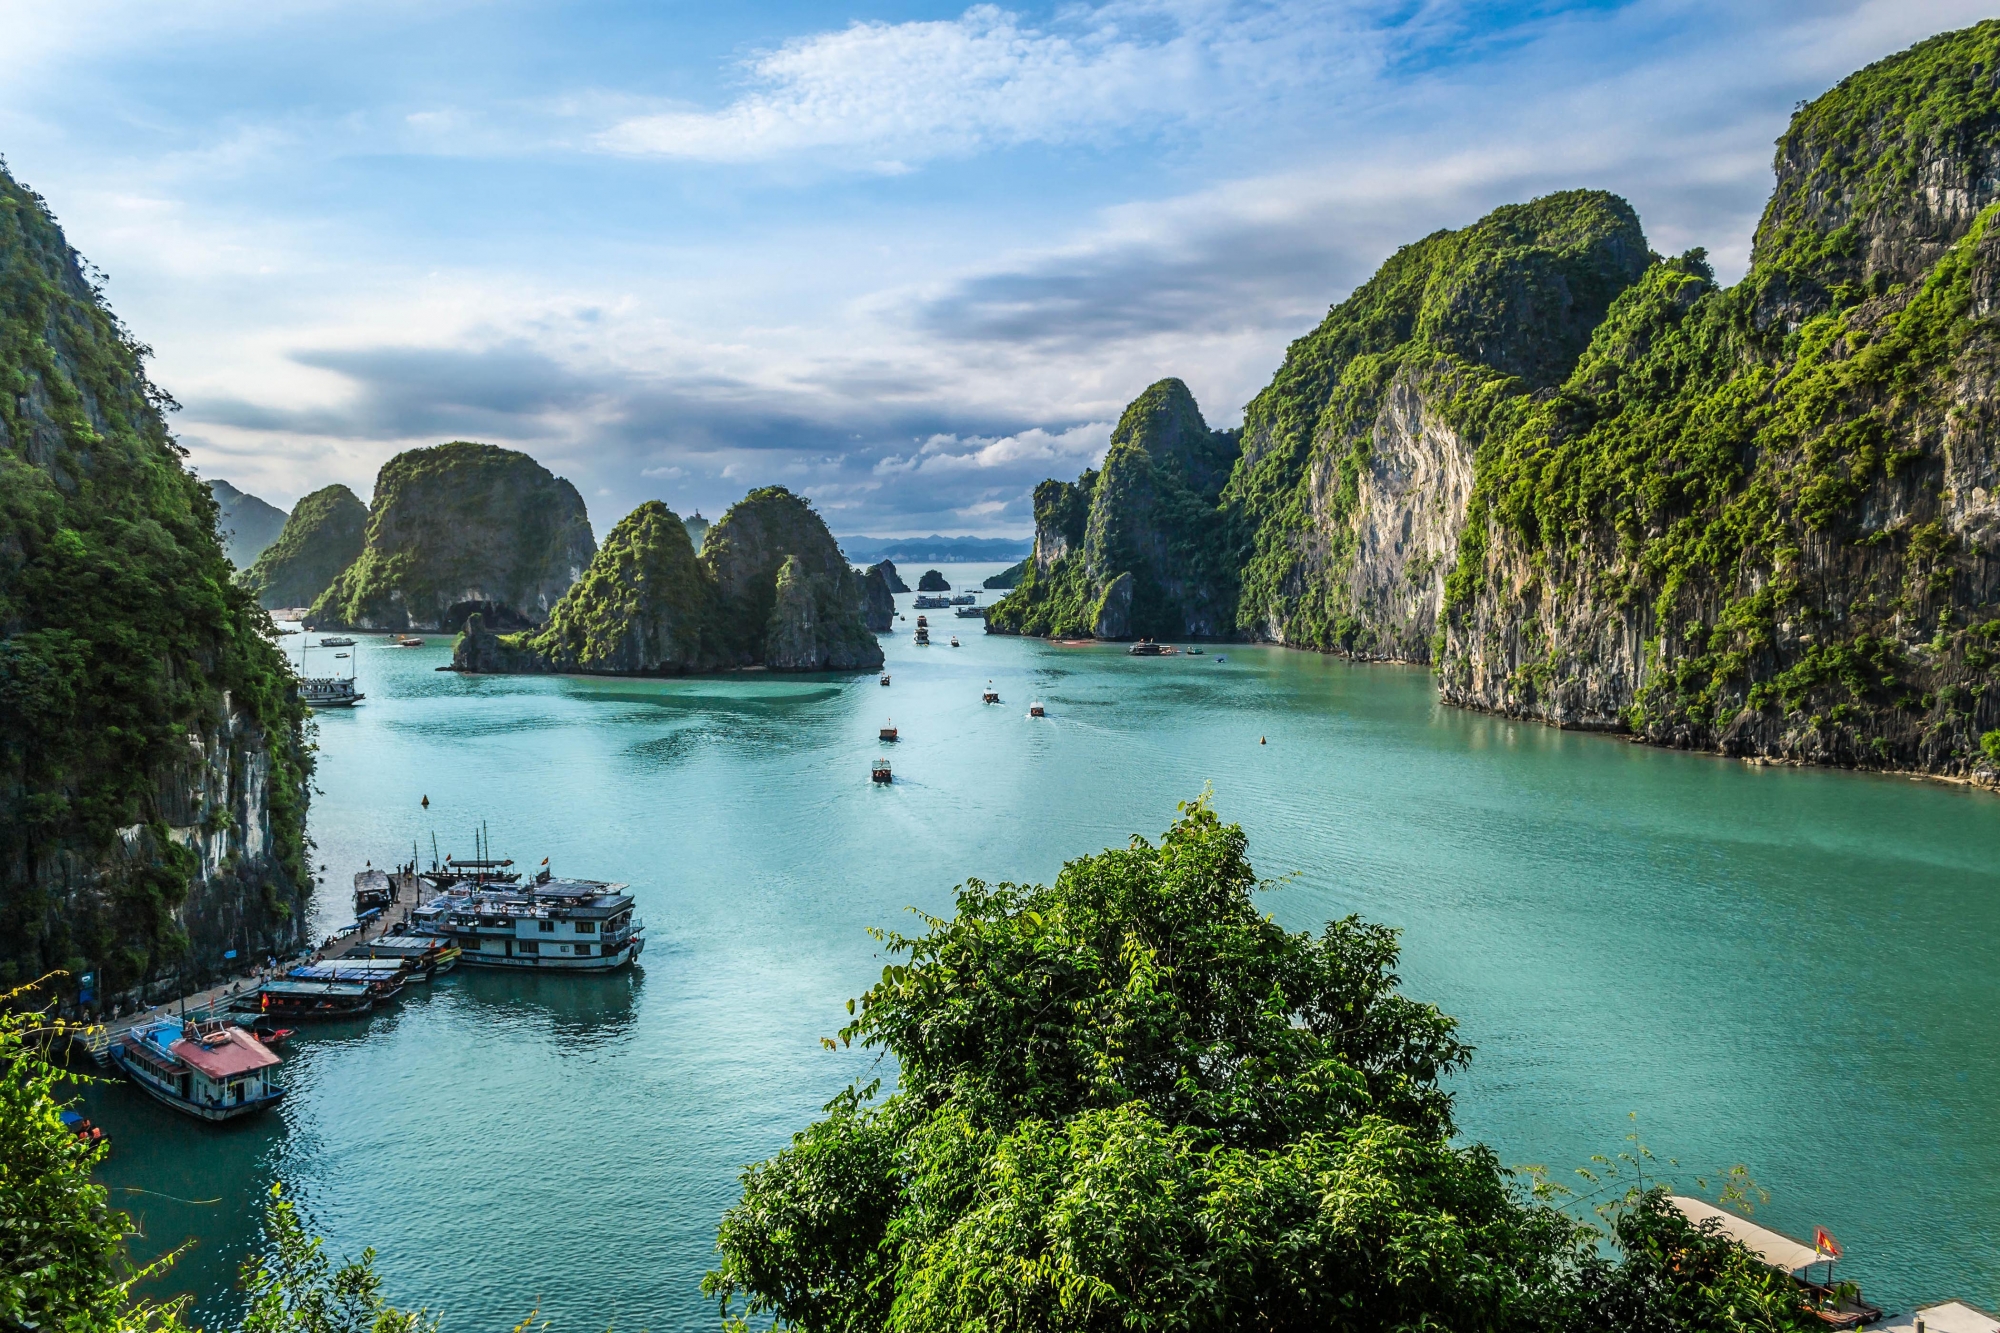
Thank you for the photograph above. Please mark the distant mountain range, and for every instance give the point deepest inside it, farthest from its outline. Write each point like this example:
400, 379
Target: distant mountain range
247, 524
936, 549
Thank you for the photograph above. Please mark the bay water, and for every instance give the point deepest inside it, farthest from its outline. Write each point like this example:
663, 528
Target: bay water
1791, 969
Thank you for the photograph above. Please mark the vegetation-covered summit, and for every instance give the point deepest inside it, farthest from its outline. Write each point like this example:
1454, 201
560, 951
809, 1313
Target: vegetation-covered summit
770, 588
149, 738
461, 528
323, 536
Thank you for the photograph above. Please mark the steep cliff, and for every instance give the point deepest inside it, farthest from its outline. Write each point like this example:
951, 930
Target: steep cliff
890, 576
153, 770
323, 536
459, 528
1766, 519
1138, 548
1010, 576
878, 599
245, 523
770, 588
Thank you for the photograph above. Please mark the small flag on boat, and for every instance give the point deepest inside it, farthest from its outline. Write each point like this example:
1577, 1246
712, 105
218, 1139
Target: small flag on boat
1824, 1242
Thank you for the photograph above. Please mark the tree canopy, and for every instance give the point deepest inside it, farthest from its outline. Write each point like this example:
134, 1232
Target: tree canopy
1130, 1100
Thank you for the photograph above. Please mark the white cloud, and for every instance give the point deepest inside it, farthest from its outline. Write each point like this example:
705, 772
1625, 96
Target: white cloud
989, 79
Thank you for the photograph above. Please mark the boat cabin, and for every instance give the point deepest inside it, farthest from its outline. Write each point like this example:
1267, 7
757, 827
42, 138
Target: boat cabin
550, 923
211, 1070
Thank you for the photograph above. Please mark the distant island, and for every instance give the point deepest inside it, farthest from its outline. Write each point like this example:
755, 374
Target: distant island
936, 550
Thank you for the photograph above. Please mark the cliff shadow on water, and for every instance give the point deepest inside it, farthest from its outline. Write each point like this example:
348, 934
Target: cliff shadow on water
1590, 486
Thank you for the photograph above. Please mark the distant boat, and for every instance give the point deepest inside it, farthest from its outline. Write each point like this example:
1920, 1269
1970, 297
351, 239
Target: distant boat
887, 733
965, 599
210, 1070
924, 603
1148, 648
954, 641
992, 696
1220, 658
329, 692
885, 678
970, 613
1035, 709
337, 641
880, 773
410, 642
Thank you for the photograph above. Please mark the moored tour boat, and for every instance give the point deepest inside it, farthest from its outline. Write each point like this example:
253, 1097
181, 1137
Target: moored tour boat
549, 924
304, 998
209, 1070
430, 953
337, 641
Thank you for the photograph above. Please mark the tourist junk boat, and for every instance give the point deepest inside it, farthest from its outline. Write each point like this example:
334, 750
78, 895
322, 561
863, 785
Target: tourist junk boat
965, 599
1035, 709
888, 732
374, 891
881, 773
384, 978
550, 924
1835, 1305
923, 631
991, 696
293, 998
928, 603
970, 612
211, 1070
329, 692
1148, 648
337, 641
885, 678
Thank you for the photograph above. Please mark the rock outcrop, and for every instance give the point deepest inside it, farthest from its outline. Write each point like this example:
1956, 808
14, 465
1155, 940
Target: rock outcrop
245, 523
323, 536
1591, 486
1138, 548
460, 528
878, 598
890, 576
769, 589
153, 768
932, 581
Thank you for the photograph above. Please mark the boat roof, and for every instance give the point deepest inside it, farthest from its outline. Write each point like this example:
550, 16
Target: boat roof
225, 1053
315, 986
372, 878
1945, 1317
1773, 1247
409, 942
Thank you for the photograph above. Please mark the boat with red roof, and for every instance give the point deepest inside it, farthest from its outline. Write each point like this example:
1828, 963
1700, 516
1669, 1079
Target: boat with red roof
211, 1070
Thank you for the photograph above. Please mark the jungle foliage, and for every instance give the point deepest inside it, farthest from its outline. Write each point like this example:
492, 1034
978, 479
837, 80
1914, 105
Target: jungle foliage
322, 537
122, 635
1130, 1100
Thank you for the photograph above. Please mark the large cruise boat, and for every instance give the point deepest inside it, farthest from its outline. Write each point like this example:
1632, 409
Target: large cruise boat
558, 925
209, 1070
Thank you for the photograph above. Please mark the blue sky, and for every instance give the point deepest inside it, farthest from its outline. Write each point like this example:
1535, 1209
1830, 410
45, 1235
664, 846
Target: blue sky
905, 258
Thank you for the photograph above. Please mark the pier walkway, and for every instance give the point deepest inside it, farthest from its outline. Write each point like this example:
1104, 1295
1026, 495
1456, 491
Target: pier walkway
410, 893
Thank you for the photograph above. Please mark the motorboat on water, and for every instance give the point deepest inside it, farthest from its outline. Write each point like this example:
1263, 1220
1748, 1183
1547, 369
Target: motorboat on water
1148, 648
329, 692
300, 998
1035, 709
954, 641
211, 1070
965, 599
888, 731
885, 678
881, 773
336, 641
991, 696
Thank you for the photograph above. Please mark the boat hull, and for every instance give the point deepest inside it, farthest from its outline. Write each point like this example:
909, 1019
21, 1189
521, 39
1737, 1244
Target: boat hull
212, 1114
554, 962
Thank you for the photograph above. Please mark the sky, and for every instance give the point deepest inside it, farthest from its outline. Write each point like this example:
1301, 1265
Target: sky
905, 258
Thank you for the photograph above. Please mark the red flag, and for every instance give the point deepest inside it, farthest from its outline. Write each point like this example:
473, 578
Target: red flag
1824, 1242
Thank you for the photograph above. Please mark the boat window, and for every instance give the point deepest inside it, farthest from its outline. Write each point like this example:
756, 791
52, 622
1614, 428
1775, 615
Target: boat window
548, 926
586, 927
583, 950
531, 946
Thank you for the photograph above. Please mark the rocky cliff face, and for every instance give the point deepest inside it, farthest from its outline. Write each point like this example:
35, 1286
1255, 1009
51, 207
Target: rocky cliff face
878, 598
460, 528
1594, 488
890, 576
769, 589
1762, 520
153, 771
324, 535
1138, 548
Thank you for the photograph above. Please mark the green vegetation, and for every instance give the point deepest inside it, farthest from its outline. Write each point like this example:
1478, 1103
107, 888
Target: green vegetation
322, 537
1010, 576
121, 636
457, 528
1477, 319
1140, 548
769, 588
1762, 488
1130, 1100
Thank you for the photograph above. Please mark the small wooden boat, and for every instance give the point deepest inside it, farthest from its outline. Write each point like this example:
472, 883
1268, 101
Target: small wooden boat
411, 641
1035, 709
992, 696
885, 678
880, 773
210, 1070
888, 733
954, 641
265, 1029
82, 1128
302, 999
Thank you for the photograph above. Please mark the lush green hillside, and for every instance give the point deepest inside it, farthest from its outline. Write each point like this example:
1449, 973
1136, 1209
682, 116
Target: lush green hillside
323, 536
461, 528
246, 523
770, 588
152, 766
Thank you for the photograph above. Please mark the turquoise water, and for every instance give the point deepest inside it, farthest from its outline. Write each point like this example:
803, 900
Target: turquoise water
1789, 969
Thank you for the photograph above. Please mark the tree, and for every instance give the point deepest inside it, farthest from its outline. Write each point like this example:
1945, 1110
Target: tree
1132, 1101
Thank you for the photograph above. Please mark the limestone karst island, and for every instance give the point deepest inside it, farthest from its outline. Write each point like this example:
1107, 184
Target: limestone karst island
1057, 669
